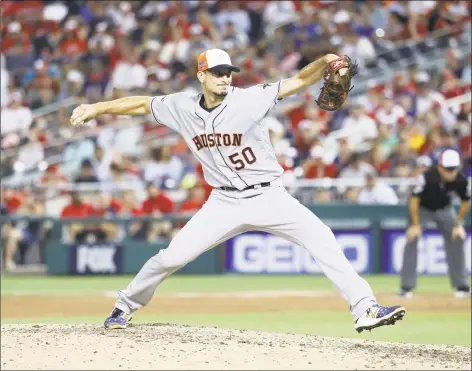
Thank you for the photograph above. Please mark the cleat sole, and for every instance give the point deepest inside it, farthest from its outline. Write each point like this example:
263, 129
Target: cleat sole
115, 327
390, 321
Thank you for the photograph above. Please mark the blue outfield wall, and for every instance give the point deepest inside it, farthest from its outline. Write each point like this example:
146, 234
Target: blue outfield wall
371, 237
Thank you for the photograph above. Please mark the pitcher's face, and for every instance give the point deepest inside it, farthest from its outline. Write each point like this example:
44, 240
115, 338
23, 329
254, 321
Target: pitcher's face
217, 82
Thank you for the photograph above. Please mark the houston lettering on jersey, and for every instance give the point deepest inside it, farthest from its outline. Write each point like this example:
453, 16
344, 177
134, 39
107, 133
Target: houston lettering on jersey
212, 140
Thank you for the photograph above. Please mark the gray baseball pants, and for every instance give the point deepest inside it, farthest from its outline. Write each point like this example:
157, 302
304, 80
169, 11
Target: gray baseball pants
455, 255
227, 214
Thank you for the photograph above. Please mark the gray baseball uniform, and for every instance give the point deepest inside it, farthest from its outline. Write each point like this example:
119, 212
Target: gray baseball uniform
235, 151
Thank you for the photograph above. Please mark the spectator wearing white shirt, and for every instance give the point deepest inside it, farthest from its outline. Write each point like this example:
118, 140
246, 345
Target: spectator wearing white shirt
176, 49
358, 168
376, 192
30, 154
232, 38
123, 17
162, 166
359, 48
423, 163
102, 37
278, 13
426, 97
234, 14
429, 100
390, 113
129, 73
16, 119
359, 127
101, 162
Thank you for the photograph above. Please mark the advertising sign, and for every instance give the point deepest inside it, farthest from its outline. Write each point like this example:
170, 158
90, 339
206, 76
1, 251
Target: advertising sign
259, 252
103, 258
431, 252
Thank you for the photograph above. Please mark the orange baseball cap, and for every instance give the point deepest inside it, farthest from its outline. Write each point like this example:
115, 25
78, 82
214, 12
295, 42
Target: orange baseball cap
214, 60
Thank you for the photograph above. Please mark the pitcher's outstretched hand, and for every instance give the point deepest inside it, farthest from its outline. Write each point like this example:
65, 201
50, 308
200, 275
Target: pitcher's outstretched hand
82, 114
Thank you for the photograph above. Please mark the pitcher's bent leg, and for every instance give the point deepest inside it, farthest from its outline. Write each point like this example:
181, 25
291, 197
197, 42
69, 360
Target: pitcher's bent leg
323, 247
194, 239
293, 221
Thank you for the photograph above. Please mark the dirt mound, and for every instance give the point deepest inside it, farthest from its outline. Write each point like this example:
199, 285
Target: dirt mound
166, 346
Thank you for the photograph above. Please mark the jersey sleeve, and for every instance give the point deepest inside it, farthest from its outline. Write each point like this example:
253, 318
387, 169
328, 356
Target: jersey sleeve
418, 185
164, 110
261, 98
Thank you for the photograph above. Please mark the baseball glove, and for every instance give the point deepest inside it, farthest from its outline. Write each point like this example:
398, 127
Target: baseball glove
336, 87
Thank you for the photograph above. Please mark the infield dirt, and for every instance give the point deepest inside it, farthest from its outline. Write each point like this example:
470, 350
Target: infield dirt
165, 346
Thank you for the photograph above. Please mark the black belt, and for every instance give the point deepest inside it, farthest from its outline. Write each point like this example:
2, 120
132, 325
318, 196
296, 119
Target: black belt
266, 184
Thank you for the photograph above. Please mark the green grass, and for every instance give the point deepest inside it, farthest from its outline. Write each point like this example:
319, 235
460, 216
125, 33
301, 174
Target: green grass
418, 327
190, 283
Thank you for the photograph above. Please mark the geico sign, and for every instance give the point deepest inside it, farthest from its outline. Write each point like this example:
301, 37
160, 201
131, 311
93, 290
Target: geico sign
431, 254
98, 259
265, 253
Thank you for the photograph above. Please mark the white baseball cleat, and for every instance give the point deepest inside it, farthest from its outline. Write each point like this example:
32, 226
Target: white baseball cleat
377, 316
405, 294
463, 294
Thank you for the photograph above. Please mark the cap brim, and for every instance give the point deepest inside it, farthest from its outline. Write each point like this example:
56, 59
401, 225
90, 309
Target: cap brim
224, 67
450, 168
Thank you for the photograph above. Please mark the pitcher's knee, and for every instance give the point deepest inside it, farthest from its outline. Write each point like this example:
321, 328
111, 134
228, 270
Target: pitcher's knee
320, 236
170, 261
326, 235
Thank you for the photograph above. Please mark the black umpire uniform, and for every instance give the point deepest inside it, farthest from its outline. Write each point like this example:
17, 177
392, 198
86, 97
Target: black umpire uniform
434, 192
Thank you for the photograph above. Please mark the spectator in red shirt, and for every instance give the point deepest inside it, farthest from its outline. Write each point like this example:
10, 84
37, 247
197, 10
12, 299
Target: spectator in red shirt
157, 203
16, 42
77, 208
129, 209
129, 206
53, 178
75, 41
315, 167
13, 200
107, 207
194, 202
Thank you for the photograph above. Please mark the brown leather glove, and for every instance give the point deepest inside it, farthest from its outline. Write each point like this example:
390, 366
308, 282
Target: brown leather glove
337, 83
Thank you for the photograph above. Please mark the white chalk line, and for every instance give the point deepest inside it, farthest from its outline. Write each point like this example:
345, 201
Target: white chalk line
240, 294
181, 295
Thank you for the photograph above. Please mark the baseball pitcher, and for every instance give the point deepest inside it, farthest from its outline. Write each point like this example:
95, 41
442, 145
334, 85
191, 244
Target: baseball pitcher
223, 128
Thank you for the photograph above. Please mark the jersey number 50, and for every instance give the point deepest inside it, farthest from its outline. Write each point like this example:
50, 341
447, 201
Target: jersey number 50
246, 154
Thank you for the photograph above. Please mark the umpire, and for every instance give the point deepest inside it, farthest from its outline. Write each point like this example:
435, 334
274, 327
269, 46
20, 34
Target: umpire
431, 201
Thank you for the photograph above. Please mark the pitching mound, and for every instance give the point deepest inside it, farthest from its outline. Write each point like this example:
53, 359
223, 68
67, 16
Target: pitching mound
165, 346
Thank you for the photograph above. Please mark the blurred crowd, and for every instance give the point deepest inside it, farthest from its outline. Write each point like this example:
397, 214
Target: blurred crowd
90, 51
